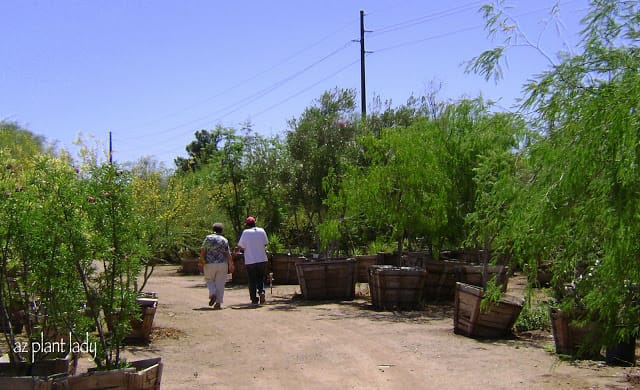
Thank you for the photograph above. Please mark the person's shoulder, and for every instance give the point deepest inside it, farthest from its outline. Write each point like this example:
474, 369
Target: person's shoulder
208, 240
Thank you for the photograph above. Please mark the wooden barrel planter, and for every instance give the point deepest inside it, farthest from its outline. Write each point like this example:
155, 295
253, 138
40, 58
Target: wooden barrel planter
38, 375
239, 275
496, 322
424, 255
442, 276
327, 279
472, 274
190, 266
363, 262
26, 383
386, 258
142, 375
416, 259
570, 339
283, 266
466, 255
141, 327
396, 287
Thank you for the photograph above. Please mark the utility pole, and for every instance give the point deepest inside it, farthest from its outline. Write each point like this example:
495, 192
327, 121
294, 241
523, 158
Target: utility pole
110, 149
363, 88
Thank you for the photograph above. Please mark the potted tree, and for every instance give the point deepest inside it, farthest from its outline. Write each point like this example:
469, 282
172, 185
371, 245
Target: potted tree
109, 277
39, 297
575, 333
583, 193
68, 250
484, 311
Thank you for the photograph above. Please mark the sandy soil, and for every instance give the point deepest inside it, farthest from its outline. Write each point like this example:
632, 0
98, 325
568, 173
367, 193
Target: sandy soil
290, 343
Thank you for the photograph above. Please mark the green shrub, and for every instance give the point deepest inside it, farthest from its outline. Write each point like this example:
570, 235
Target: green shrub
532, 318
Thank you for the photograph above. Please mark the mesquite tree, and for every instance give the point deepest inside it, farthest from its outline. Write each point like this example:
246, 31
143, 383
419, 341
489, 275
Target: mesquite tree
582, 201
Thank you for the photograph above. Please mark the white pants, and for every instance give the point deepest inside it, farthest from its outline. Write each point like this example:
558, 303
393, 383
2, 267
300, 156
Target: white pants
215, 274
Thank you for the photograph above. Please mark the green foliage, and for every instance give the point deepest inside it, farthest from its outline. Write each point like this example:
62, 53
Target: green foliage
267, 174
419, 181
68, 240
404, 190
474, 136
42, 238
196, 197
498, 185
579, 205
492, 295
275, 244
498, 21
380, 247
533, 317
242, 175
329, 232
223, 174
110, 281
19, 143
73, 243
590, 104
205, 147
320, 142
384, 115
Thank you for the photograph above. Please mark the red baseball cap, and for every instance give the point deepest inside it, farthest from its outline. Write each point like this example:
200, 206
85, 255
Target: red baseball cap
250, 220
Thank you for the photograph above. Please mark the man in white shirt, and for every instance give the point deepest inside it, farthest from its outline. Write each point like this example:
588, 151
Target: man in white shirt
253, 242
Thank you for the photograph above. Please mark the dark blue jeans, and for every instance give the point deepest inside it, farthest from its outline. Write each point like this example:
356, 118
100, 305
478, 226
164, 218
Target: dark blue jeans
256, 273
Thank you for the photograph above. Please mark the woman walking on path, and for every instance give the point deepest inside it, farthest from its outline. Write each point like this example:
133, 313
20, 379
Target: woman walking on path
215, 255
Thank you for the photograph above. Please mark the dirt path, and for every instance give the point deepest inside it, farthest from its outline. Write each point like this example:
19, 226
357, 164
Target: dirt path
290, 343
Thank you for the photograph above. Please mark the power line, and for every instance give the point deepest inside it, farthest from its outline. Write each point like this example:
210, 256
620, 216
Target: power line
425, 18
413, 42
280, 83
251, 78
236, 106
239, 104
307, 88
446, 34
298, 93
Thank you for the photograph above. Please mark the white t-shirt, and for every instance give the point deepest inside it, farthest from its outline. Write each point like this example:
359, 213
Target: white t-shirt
253, 241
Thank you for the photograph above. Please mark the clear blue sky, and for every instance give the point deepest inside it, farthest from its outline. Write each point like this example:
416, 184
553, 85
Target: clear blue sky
154, 72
